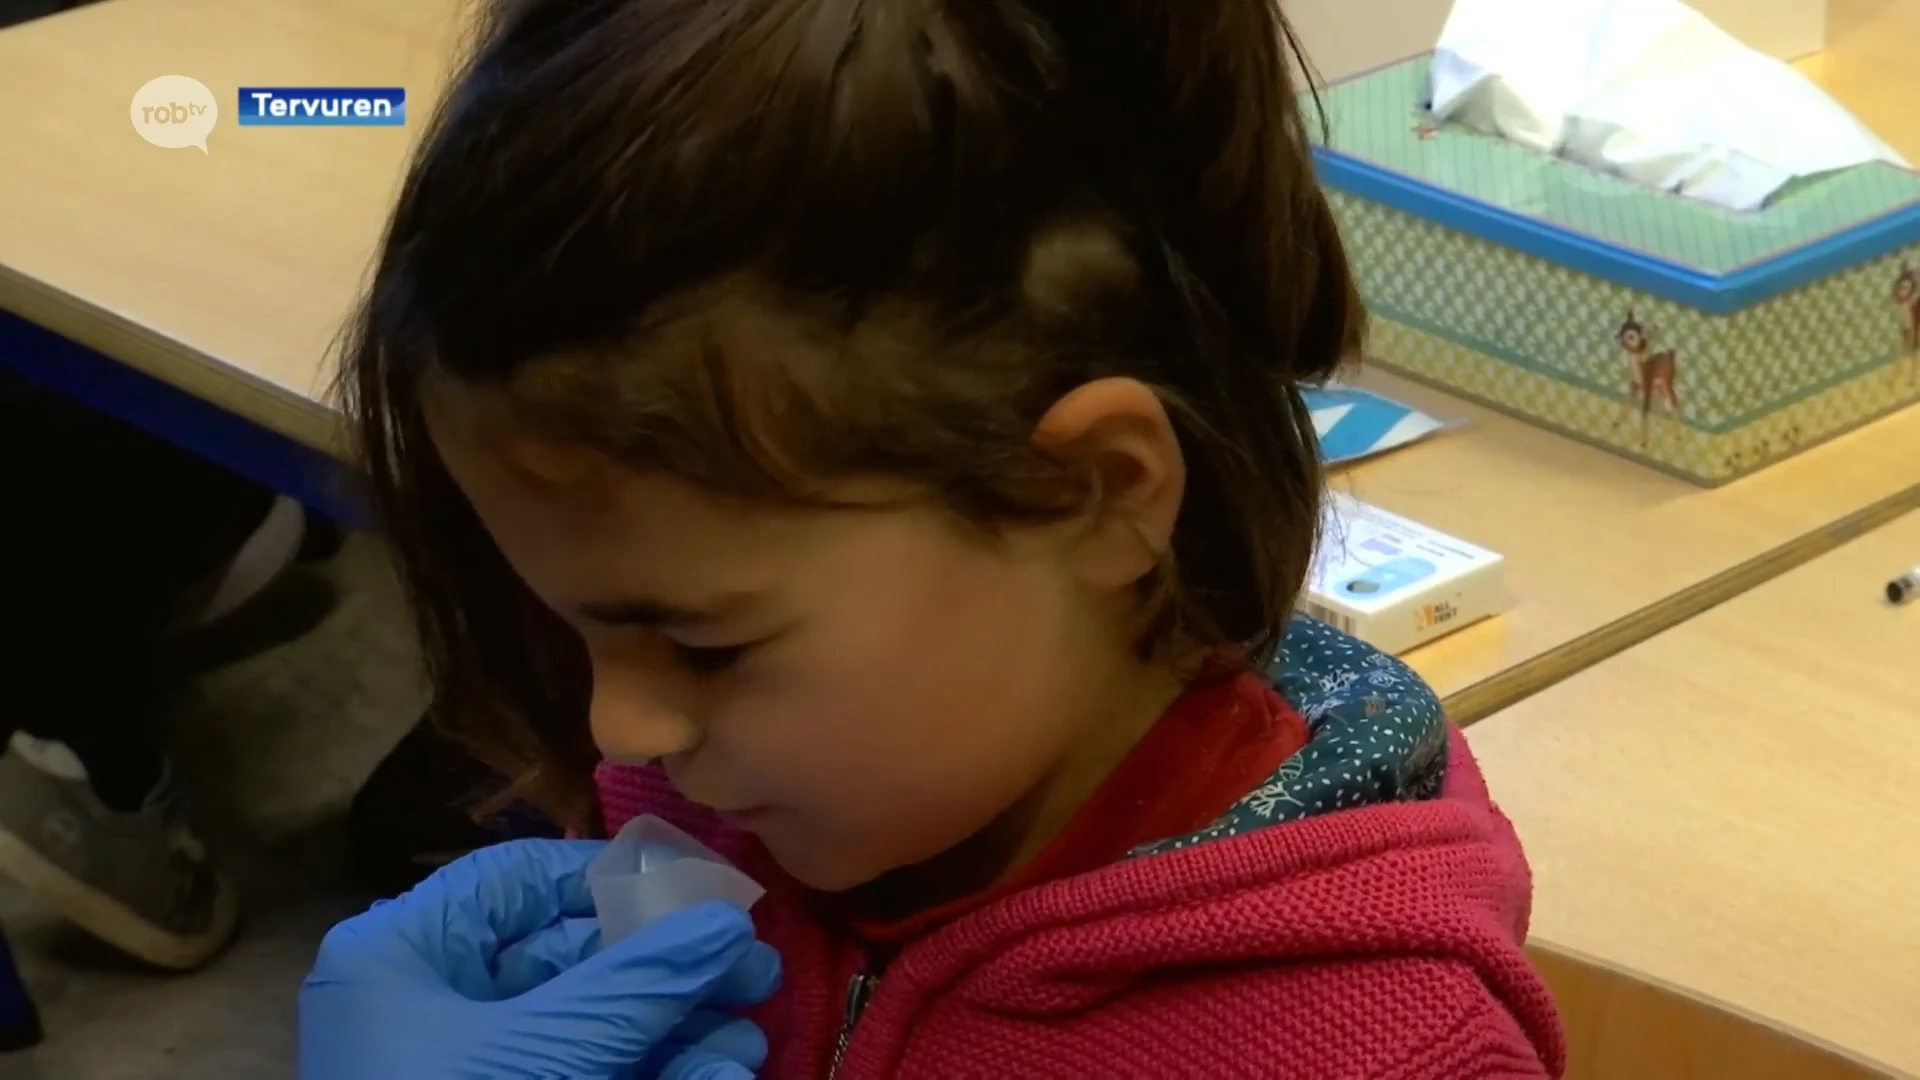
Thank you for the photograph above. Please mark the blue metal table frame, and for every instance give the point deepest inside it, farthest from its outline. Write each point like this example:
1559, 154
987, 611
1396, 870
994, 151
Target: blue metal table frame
322, 482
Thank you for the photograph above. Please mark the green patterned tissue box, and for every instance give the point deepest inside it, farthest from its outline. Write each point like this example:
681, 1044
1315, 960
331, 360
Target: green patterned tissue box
1703, 341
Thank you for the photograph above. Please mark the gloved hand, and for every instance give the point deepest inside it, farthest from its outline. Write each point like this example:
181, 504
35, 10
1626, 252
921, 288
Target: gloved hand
491, 968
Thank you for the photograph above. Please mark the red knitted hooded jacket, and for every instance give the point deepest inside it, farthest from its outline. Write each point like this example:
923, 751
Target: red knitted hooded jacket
1359, 916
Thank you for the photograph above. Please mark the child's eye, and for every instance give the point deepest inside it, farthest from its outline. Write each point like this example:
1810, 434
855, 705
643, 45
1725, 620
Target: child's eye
709, 661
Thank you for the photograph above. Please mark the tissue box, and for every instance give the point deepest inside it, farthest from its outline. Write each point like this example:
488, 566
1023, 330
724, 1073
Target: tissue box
1702, 341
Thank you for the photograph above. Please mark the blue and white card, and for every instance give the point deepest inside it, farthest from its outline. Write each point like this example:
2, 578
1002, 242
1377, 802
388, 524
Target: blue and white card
1356, 424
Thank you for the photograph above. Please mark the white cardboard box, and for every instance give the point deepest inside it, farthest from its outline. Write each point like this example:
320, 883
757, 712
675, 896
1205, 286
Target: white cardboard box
1347, 37
1394, 583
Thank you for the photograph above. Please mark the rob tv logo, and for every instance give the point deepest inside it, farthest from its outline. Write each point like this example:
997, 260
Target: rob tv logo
174, 111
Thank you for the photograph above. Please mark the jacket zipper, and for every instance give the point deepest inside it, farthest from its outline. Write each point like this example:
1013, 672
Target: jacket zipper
860, 990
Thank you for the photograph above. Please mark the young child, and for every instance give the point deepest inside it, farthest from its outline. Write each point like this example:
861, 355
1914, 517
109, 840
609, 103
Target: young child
867, 434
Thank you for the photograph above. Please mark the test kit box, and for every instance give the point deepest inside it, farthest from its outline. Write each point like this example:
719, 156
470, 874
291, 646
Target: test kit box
1394, 583
1703, 341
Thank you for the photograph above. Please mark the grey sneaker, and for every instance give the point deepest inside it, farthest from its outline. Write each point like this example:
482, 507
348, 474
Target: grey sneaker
140, 881
272, 547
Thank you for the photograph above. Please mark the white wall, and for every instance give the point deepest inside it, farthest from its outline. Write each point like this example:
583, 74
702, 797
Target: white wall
1343, 37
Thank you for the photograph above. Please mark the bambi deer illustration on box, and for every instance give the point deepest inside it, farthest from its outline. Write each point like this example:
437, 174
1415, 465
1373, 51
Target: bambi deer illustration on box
1653, 375
1906, 297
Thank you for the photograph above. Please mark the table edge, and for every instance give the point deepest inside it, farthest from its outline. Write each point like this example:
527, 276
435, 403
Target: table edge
284, 411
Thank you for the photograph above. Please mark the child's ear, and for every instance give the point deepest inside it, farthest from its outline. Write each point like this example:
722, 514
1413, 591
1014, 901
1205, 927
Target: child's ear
1118, 433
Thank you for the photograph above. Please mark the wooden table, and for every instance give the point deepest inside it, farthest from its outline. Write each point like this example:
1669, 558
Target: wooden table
225, 275
1733, 807
224, 278
1868, 66
1603, 553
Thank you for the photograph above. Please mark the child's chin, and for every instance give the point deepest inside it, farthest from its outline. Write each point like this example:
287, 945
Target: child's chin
819, 868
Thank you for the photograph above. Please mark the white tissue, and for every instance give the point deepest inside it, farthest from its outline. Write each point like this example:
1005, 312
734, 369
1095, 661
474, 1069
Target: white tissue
1646, 89
651, 869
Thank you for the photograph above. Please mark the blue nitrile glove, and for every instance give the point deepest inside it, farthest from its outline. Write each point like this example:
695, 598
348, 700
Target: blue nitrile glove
491, 969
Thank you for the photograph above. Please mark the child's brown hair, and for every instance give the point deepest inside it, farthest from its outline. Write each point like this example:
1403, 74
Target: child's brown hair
767, 244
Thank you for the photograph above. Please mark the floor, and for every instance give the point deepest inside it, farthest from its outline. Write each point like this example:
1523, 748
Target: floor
271, 748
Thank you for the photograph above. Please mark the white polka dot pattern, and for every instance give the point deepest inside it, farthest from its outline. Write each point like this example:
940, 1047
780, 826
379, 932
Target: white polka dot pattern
1376, 734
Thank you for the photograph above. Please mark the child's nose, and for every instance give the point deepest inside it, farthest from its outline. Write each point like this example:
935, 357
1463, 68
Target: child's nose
636, 715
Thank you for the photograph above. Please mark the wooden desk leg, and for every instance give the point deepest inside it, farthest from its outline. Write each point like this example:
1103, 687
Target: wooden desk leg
19, 1020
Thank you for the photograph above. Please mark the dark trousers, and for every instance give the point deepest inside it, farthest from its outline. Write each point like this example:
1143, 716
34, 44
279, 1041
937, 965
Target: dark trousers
102, 529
